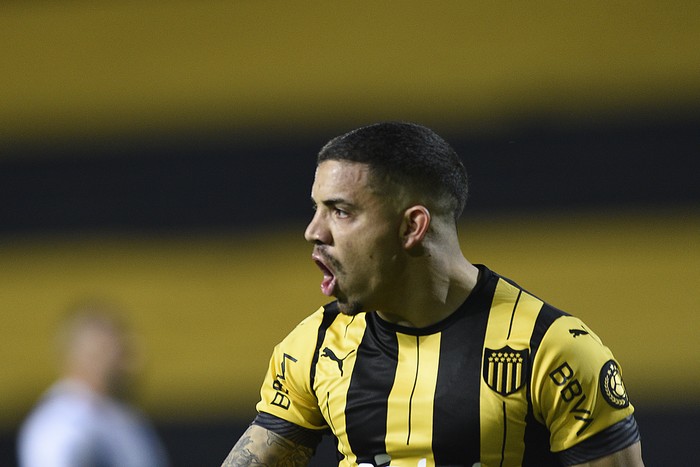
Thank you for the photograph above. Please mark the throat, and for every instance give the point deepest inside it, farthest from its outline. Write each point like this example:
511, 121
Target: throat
419, 322
396, 319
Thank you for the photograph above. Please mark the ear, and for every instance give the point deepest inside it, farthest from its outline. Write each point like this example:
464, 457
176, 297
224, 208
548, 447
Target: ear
416, 221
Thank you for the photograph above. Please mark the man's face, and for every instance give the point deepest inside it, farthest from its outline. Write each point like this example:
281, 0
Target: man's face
103, 353
356, 238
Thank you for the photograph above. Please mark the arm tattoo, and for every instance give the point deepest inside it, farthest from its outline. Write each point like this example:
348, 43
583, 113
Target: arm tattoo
267, 449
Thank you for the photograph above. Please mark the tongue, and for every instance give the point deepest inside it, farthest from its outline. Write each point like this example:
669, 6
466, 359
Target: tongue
328, 284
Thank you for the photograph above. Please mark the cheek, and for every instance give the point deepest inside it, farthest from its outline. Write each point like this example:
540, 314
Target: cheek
381, 259
369, 250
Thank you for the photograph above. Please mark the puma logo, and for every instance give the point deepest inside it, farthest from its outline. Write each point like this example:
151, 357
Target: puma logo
578, 332
331, 355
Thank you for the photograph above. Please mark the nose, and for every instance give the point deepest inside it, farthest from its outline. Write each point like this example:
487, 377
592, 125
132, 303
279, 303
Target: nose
316, 232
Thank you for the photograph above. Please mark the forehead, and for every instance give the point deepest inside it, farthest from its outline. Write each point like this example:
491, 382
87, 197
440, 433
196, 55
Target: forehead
340, 179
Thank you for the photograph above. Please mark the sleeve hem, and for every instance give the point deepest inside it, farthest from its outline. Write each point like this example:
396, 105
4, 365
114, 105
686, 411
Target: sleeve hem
614, 438
288, 430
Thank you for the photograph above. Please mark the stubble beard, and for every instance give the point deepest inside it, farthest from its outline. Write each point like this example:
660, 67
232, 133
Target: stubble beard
349, 308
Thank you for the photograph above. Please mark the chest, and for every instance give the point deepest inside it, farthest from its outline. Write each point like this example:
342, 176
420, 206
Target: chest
402, 396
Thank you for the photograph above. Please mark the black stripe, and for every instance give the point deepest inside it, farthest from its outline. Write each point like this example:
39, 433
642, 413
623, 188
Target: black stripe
536, 436
370, 385
330, 312
413, 390
456, 420
328, 412
505, 432
548, 314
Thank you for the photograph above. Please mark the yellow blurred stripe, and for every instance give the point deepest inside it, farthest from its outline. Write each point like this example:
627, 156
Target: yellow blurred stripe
203, 304
77, 69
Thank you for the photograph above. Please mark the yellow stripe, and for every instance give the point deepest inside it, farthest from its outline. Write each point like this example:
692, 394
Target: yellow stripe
410, 403
343, 339
513, 329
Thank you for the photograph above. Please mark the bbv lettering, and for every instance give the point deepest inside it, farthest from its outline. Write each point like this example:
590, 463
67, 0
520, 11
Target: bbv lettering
281, 399
572, 392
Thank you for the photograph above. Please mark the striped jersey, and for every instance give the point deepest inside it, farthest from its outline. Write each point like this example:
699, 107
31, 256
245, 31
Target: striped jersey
506, 380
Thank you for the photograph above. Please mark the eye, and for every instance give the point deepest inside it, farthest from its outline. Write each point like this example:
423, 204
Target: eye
339, 213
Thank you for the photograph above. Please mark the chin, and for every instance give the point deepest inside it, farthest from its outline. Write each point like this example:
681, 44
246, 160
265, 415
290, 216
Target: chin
350, 308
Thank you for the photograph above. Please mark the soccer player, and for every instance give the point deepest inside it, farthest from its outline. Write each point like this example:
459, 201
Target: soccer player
83, 419
423, 358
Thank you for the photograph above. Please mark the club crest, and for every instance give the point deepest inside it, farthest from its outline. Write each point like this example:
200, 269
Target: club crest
505, 369
612, 387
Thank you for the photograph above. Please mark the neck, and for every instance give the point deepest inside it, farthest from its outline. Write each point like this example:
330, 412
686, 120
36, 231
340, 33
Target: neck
90, 379
433, 292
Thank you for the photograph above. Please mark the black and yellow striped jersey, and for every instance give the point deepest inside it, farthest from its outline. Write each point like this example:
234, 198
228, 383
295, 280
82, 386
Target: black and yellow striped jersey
506, 380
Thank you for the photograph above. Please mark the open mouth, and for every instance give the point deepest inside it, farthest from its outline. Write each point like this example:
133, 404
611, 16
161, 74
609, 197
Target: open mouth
329, 281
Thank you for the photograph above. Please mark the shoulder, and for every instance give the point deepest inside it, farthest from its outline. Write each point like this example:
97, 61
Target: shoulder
287, 392
57, 426
63, 404
568, 350
307, 330
294, 357
577, 387
565, 336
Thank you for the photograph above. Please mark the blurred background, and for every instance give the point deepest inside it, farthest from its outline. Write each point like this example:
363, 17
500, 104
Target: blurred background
162, 153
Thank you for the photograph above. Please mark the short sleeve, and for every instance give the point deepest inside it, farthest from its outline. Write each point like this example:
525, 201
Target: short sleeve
286, 392
577, 387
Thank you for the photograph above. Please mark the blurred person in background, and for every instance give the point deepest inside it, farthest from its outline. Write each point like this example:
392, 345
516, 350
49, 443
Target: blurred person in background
84, 419
424, 358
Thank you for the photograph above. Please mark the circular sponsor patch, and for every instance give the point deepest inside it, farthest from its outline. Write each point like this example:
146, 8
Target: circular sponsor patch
612, 387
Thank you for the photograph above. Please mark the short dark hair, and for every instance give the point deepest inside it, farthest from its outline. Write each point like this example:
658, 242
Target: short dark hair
409, 155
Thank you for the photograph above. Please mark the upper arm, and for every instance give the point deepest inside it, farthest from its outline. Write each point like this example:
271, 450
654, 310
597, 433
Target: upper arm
577, 389
287, 391
631, 456
259, 446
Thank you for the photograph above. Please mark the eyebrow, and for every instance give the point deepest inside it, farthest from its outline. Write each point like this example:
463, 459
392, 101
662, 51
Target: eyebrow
333, 202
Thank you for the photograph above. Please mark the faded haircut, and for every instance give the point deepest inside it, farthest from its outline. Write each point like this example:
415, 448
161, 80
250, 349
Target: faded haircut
411, 157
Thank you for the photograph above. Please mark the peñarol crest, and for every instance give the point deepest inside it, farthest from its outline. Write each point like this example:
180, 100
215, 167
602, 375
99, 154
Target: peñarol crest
505, 369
